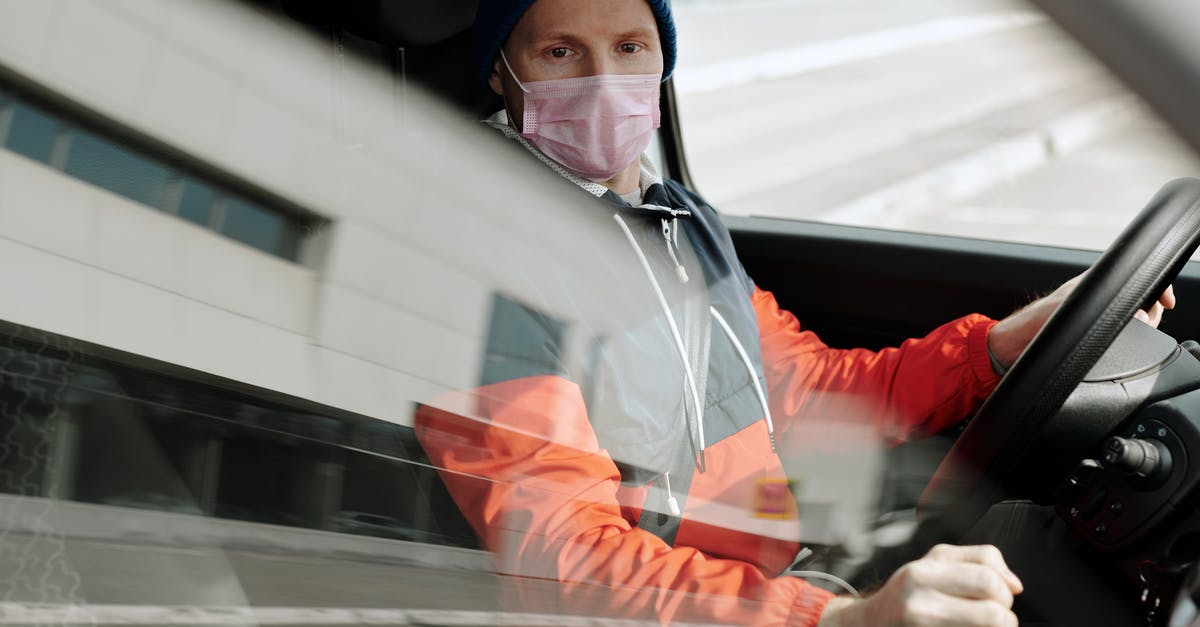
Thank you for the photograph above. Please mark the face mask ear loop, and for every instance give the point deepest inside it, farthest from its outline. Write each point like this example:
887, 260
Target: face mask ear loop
527, 120
511, 72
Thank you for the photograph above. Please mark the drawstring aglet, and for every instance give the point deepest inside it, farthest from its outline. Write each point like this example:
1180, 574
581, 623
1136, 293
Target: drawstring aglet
672, 243
672, 502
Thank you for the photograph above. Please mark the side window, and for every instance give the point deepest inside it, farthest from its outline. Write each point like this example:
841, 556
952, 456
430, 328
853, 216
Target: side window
976, 118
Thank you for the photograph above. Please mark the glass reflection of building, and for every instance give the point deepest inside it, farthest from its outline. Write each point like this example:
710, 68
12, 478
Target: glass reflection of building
94, 424
82, 423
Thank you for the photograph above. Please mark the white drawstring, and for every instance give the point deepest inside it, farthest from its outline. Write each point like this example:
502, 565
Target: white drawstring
741, 351
834, 579
672, 503
679, 347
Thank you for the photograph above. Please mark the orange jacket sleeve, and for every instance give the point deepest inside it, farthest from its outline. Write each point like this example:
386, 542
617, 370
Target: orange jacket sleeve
922, 386
522, 462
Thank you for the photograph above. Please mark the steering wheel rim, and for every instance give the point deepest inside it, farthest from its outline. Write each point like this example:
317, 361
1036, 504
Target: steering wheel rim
1131, 274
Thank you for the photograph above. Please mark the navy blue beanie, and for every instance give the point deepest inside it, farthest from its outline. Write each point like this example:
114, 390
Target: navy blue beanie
495, 19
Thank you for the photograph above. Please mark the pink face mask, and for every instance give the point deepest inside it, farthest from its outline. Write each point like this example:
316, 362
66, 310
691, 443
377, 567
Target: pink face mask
594, 126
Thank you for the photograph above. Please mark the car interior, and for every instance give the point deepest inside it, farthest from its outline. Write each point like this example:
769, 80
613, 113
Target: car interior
1086, 442
1072, 437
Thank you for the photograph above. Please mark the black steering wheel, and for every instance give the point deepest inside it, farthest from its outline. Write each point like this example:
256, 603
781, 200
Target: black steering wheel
1131, 274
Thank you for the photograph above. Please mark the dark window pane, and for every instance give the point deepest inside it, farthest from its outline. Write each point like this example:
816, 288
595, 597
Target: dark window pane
5, 104
196, 202
289, 487
87, 429
30, 419
31, 133
116, 169
522, 342
253, 225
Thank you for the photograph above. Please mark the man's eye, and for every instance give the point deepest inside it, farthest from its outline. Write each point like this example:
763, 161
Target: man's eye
559, 53
630, 48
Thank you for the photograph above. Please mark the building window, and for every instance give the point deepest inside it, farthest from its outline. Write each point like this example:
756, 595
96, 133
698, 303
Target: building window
30, 132
104, 164
38, 134
257, 226
195, 202
79, 427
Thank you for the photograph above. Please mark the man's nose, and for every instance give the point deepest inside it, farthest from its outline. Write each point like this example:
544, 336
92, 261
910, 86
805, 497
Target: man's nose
600, 63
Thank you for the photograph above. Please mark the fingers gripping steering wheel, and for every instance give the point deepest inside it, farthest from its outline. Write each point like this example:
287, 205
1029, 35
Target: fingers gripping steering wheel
1133, 272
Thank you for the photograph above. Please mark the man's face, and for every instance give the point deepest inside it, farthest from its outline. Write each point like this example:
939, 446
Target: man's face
574, 38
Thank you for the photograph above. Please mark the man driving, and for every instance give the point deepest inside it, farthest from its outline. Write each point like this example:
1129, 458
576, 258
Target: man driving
590, 481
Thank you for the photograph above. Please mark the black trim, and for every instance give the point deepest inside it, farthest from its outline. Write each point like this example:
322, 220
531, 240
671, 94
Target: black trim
863, 287
868, 287
671, 137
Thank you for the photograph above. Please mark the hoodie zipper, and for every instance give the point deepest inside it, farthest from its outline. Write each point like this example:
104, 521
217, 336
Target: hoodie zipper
696, 416
697, 413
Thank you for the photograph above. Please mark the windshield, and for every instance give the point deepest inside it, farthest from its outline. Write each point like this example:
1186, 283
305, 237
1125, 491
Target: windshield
980, 119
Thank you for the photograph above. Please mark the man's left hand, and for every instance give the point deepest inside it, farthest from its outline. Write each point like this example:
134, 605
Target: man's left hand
1008, 339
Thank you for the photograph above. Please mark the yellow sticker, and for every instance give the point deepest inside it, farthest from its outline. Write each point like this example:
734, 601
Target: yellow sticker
772, 496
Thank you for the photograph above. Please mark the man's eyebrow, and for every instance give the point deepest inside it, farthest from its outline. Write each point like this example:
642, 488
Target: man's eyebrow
552, 35
638, 33
561, 35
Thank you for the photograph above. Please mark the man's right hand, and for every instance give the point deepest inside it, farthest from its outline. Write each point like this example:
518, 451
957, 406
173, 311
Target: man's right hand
951, 585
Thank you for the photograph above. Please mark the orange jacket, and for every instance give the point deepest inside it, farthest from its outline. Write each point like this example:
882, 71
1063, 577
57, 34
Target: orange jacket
523, 462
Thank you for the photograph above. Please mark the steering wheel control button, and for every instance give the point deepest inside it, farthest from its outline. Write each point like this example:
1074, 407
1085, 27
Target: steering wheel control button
1084, 475
1139, 457
1095, 503
1101, 529
1192, 347
1116, 507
